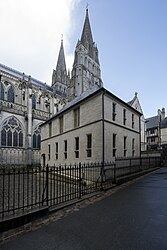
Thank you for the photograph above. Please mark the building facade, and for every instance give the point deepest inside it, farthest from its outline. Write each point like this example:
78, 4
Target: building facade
156, 131
95, 127
26, 103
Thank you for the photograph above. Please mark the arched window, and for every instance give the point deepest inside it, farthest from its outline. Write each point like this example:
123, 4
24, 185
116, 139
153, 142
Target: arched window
33, 102
11, 94
37, 138
1, 92
11, 133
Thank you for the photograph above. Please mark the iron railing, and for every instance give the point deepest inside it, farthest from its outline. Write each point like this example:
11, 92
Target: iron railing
27, 189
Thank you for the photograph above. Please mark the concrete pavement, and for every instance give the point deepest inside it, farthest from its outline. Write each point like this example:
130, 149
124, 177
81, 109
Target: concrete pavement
134, 217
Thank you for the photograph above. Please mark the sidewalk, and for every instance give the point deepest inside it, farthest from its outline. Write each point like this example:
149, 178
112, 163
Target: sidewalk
134, 217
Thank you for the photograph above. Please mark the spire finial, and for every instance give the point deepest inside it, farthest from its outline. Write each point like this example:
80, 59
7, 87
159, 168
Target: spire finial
136, 94
87, 5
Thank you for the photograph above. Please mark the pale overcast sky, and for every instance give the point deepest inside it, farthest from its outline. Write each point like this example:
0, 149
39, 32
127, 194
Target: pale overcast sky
130, 35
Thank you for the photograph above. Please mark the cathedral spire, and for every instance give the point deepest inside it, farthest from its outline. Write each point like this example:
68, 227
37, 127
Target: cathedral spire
86, 73
60, 79
86, 37
61, 64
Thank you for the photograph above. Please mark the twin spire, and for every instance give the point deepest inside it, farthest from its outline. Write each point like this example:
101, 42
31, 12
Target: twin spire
86, 40
60, 78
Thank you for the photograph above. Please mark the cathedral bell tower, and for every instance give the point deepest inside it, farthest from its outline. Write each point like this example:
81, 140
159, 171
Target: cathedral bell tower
86, 71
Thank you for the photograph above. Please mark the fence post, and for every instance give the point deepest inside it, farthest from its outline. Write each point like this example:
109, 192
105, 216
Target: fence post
47, 185
141, 164
115, 171
149, 162
101, 175
130, 166
80, 180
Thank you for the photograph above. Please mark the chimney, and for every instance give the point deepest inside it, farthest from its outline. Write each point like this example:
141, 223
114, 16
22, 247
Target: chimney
159, 112
163, 114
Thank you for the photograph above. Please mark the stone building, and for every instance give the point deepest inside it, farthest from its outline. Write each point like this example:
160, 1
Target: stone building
95, 126
26, 103
156, 131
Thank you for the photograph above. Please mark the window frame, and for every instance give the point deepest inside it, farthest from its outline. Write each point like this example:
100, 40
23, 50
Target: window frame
77, 117
89, 145
114, 148
10, 127
65, 149
10, 94
114, 111
76, 147
61, 124
125, 145
56, 150
124, 117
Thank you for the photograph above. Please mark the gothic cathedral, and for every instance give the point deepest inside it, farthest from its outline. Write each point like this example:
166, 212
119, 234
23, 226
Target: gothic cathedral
25, 102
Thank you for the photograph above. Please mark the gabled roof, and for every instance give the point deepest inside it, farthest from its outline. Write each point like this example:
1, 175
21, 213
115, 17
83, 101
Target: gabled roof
78, 99
85, 95
18, 74
135, 103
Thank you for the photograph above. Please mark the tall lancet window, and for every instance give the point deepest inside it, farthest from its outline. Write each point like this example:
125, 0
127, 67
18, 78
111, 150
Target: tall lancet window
37, 138
33, 102
1, 92
11, 94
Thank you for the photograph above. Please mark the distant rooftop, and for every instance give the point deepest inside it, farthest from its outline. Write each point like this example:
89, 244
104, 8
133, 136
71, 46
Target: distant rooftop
152, 122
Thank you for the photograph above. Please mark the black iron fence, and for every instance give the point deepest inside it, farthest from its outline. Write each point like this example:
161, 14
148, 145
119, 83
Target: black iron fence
28, 189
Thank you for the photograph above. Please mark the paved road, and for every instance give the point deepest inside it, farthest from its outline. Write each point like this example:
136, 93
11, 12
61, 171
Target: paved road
135, 217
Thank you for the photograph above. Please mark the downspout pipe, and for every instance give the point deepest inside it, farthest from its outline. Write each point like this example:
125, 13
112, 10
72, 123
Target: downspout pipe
103, 134
103, 142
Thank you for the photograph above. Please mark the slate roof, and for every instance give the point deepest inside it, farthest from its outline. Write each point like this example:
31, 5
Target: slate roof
20, 75
152, 122
77, 99
85, 95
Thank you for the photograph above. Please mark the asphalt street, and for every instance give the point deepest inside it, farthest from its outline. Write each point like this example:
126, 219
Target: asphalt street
134, 217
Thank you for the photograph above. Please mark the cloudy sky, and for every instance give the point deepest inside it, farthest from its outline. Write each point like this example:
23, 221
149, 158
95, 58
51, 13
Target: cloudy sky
130, 34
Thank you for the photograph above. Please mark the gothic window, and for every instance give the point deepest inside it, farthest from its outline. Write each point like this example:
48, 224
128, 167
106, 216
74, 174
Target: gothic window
37, 138
11, 133
11, 94
1, 92
33, 102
